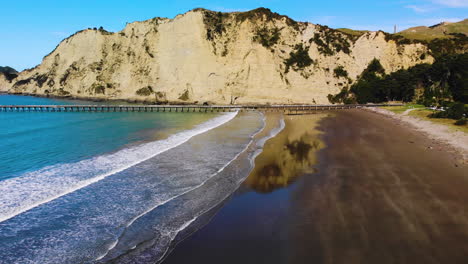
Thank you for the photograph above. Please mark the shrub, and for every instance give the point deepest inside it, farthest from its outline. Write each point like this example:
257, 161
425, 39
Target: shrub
185, 96
41, 79
461, 122
63, 79
62, 92
340, 72
214, 24
99, 89
261, 13
322, 47
298, 58
267, 37
145, 91
23, 82
330, 41
342, 97
399, 40
455, 111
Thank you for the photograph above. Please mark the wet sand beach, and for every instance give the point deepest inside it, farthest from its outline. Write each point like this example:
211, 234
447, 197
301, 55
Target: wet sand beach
357, 188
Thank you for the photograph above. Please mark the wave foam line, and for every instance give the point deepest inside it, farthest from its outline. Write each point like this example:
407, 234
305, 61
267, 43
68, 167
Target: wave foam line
114, 244
172, 234
260, 143
18, 195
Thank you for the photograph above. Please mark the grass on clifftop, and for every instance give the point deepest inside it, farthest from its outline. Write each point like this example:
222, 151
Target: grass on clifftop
441, 31
352, 31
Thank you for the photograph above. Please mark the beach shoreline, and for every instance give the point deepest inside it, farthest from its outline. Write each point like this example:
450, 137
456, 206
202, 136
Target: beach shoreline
375, 195
442, 137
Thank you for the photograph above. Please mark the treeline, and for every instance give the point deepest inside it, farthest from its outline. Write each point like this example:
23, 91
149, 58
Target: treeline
445, 80
442, 84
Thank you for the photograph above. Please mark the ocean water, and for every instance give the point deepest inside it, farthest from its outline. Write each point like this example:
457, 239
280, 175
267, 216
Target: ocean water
30, 141
114, 187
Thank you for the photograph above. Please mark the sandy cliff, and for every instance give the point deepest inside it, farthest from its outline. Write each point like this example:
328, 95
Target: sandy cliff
4, 84
204, 56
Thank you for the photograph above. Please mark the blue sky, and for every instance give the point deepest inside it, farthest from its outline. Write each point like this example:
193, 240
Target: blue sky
32, 28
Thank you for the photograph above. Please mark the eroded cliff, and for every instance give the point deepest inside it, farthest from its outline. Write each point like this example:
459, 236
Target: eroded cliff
204, 56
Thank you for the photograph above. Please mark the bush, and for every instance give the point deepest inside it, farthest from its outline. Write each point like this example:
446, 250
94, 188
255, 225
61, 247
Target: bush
455, 111
214, 24
344, 97
99, 89
340, 72
461, 122
265, 14
298, 59
145, 91
330, 41
267, 37
185, 96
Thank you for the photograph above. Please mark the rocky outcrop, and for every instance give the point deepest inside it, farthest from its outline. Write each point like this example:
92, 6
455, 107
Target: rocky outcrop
204, 56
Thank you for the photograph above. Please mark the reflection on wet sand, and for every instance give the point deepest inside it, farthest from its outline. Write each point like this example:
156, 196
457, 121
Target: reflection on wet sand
288, 155
377, 197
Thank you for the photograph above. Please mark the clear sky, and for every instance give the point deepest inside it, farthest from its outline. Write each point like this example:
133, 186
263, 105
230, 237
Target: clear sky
32, 28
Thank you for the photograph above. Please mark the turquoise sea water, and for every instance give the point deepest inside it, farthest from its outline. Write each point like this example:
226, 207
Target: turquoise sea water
113, 187
30, 141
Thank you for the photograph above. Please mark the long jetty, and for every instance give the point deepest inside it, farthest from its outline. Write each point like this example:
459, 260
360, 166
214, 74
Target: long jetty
291, 109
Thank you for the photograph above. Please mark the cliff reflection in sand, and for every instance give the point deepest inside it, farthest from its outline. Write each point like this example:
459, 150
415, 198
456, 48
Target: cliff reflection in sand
287, 156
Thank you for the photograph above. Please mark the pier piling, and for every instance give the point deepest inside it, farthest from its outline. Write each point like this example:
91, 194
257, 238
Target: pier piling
289, 109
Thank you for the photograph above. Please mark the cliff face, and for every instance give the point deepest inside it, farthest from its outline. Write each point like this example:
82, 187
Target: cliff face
4, 84
204, 56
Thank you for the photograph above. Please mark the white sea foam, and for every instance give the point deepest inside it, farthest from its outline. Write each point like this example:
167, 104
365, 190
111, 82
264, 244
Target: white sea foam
174, 233
20, 194
275, 131
260, 144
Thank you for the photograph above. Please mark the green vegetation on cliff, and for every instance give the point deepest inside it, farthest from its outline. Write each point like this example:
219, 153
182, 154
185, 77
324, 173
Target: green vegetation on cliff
214, 22
267, 37
298, 58
330, 41
145, 91
265, 14
8, 72
444, 81
340, 71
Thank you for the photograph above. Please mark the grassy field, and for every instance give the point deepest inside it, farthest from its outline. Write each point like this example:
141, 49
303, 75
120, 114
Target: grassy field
424, 114
438, 31
401, 109
352, 31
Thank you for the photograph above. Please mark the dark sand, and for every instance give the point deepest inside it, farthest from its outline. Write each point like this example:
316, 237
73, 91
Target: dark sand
376, 194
